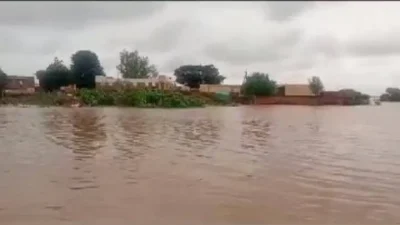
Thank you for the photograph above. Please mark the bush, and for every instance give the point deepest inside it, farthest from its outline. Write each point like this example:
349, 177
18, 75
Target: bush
138, 98
259, 84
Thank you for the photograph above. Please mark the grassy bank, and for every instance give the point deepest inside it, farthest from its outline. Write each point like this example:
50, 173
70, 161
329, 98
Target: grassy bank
40, 99
143, 98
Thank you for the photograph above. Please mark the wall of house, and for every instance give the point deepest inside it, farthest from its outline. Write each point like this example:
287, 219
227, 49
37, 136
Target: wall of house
20, 85
300, 100
297, 90
161, 82
213, 88
19, 82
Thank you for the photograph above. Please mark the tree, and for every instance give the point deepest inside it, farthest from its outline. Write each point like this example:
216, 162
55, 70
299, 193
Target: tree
55, 76
392, 94
194, 75
3, 81
40, 74
316, 85
357, 98
132, 65
258, 84
84, 68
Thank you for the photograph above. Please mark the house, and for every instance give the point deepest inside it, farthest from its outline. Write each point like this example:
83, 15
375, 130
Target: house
161, 82
298, 90
20, 85
214, 88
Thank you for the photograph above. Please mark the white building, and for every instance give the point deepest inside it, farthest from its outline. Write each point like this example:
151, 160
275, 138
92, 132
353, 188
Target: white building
160, 81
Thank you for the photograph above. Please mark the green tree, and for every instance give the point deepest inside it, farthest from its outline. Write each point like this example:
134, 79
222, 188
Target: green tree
357, 98
40, 74
194, 75
3, 81
316, 85
392, 94
84, 68
55, 76
132, 65
258, 84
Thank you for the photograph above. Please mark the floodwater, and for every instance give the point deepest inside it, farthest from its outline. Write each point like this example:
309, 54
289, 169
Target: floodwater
223, 165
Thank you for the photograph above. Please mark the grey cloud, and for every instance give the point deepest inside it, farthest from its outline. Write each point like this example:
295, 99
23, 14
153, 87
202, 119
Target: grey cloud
15, 42
304, 63
174, 62
166, 36
239, 51
326, 45
50, 46
282, 10
10, 43
384, 44
67, 15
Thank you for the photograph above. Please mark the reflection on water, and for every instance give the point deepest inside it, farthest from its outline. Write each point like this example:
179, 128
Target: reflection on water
242, 165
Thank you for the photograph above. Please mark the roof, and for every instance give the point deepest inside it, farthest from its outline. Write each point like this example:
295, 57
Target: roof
20, 77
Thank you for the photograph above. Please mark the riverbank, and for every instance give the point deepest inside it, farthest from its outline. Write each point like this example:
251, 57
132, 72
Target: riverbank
141, 98
310, 100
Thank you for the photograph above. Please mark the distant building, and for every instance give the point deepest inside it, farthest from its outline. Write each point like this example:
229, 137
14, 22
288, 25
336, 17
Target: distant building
214, 88
295, 90
20, 85
161, 82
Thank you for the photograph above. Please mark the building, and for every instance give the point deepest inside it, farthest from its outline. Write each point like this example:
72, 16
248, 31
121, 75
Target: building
295, 90
20, 85
214, 88
161, 82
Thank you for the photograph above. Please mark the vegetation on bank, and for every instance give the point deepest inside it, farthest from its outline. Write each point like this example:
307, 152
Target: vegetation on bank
355, 97
194, 75
258, 84
86, 66
145, 98
3, 81
142, 98
316, 85
391, 95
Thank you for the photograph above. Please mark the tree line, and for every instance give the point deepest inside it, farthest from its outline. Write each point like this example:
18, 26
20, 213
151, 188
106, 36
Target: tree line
85, 66
391, 95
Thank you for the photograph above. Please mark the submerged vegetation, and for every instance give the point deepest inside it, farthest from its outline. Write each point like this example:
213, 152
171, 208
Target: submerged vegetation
138, 98
142, 98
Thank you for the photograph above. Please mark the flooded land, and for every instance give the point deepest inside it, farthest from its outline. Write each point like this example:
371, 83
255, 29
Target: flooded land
215, 165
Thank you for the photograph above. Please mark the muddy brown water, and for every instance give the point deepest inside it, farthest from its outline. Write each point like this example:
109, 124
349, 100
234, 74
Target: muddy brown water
239, 165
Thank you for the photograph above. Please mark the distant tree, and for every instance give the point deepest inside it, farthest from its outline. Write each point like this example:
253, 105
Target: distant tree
357, 98
194, 75
392, 94
258, 84
132, 65
40, 74
3, 81
84, 68
316, 85
55, 76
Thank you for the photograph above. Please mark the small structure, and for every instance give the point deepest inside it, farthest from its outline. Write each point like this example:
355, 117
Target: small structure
20, 85
218, 88
162, 82
295, 90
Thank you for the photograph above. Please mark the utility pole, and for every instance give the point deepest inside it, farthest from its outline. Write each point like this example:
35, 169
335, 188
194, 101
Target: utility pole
245, 76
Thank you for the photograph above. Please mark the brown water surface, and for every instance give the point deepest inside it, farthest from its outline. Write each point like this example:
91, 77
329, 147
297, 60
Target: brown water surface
239, 165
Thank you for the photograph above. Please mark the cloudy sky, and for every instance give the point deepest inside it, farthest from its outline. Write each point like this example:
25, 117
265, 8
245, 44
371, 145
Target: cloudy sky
347, 44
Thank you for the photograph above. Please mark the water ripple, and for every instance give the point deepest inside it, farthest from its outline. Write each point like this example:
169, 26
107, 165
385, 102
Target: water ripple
284, 164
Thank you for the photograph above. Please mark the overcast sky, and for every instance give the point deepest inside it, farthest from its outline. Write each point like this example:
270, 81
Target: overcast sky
347, 44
